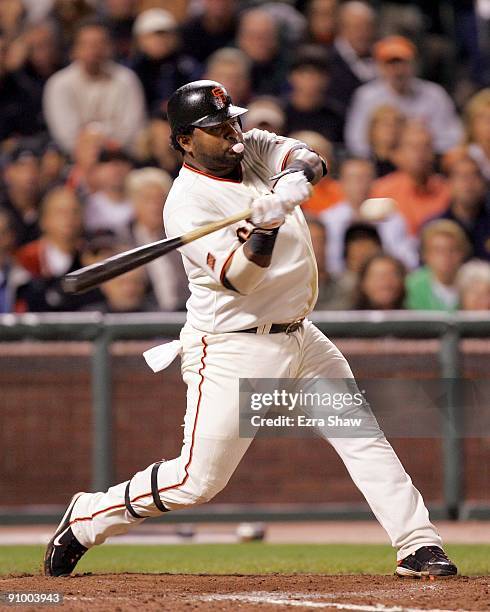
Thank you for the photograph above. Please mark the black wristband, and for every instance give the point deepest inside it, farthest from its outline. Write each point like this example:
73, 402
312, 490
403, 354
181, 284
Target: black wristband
262, 240
299, 165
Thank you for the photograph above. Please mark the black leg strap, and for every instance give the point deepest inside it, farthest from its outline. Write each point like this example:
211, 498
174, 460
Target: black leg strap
127, 502
154, 488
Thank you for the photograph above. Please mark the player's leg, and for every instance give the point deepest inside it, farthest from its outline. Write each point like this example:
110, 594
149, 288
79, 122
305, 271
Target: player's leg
212, 449
371, 461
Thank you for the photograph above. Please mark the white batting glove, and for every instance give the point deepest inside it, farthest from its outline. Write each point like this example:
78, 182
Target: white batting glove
269, 211
293, 188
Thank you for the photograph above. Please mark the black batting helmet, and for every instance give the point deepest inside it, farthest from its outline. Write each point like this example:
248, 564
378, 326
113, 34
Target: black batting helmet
200, 104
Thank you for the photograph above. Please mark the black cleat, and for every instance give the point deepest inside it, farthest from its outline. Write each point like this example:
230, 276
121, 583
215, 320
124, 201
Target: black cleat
426, 562
64, 550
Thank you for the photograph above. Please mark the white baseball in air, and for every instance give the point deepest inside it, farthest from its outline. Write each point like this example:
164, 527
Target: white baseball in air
247, 532
238, 148
377, 209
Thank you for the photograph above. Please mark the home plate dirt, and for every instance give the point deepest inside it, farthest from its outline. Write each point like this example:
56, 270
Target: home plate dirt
177, 593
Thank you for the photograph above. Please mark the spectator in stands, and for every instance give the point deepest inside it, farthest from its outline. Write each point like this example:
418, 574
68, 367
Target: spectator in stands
81, 175
98, 247
419, 192
328, 191
119, 16
397, 86
352, 61
361, 242
109, 207
473, 283
381, 284
12, 17
258, 37
154, 148
322, 21
158, 62
37, 10
18, 115
12, 275
61, 226
467, 206
125, 293
477, 119
329, 295
356, 179
265, 113
93, 89
36, 55
215, 27
471, 25
53, 167
21, 195
444, 249
308, 106
231, 67
384, 131
55, 253
148, 189
68, 15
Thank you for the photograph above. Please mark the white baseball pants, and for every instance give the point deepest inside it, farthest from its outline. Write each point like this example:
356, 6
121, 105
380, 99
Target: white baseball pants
211, 366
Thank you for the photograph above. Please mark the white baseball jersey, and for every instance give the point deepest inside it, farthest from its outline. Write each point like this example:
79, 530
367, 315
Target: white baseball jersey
290, 287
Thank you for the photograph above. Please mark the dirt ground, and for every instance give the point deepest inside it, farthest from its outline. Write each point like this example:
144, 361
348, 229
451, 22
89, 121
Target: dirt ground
177, 593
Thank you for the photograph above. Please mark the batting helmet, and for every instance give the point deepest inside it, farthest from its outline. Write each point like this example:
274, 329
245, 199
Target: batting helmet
200, 104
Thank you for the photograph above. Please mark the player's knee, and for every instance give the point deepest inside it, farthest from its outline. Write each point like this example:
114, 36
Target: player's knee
203, 490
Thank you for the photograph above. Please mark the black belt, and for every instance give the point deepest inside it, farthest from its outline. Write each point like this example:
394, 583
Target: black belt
276, 328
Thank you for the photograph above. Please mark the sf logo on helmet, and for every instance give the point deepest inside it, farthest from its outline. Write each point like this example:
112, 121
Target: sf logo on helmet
220, 96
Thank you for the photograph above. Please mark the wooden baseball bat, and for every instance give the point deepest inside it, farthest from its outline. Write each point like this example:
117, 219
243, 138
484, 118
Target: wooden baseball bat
89, 277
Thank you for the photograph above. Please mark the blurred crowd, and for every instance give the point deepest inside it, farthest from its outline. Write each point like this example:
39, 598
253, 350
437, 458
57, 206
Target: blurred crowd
394, 95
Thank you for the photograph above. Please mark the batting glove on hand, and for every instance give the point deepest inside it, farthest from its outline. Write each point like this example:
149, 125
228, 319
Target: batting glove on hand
294, 188
268, 211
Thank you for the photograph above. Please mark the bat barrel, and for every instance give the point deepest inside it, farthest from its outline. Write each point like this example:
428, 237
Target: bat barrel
89, 277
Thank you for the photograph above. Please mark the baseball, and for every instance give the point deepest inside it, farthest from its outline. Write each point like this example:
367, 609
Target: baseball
247, 532
377, 209
238, 148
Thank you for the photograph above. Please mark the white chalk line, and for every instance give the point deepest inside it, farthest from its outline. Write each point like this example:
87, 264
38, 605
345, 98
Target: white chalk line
273, 599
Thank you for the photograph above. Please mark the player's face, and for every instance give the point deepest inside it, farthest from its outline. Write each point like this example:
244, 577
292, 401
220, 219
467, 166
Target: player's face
211, 147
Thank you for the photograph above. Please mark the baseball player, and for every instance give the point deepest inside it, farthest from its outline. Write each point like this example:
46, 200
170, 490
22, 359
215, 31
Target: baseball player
252, 288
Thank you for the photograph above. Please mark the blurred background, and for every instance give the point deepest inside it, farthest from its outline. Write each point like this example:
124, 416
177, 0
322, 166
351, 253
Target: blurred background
395, 95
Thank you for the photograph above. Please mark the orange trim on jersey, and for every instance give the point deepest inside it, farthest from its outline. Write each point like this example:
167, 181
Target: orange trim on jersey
285, 160
216, 178
89, 518
223, 269
186, 469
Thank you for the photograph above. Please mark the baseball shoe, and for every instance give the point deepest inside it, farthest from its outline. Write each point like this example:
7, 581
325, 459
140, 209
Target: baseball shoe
64, 550
426, 562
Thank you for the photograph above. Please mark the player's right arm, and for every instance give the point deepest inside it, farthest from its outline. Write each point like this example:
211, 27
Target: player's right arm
245, 269
221, 256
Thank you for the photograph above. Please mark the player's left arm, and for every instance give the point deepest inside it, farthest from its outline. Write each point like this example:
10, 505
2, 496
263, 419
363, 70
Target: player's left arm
300, 169
300, 158
293, 166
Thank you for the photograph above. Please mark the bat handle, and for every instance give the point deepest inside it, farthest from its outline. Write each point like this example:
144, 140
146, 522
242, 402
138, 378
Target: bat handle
217, 225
